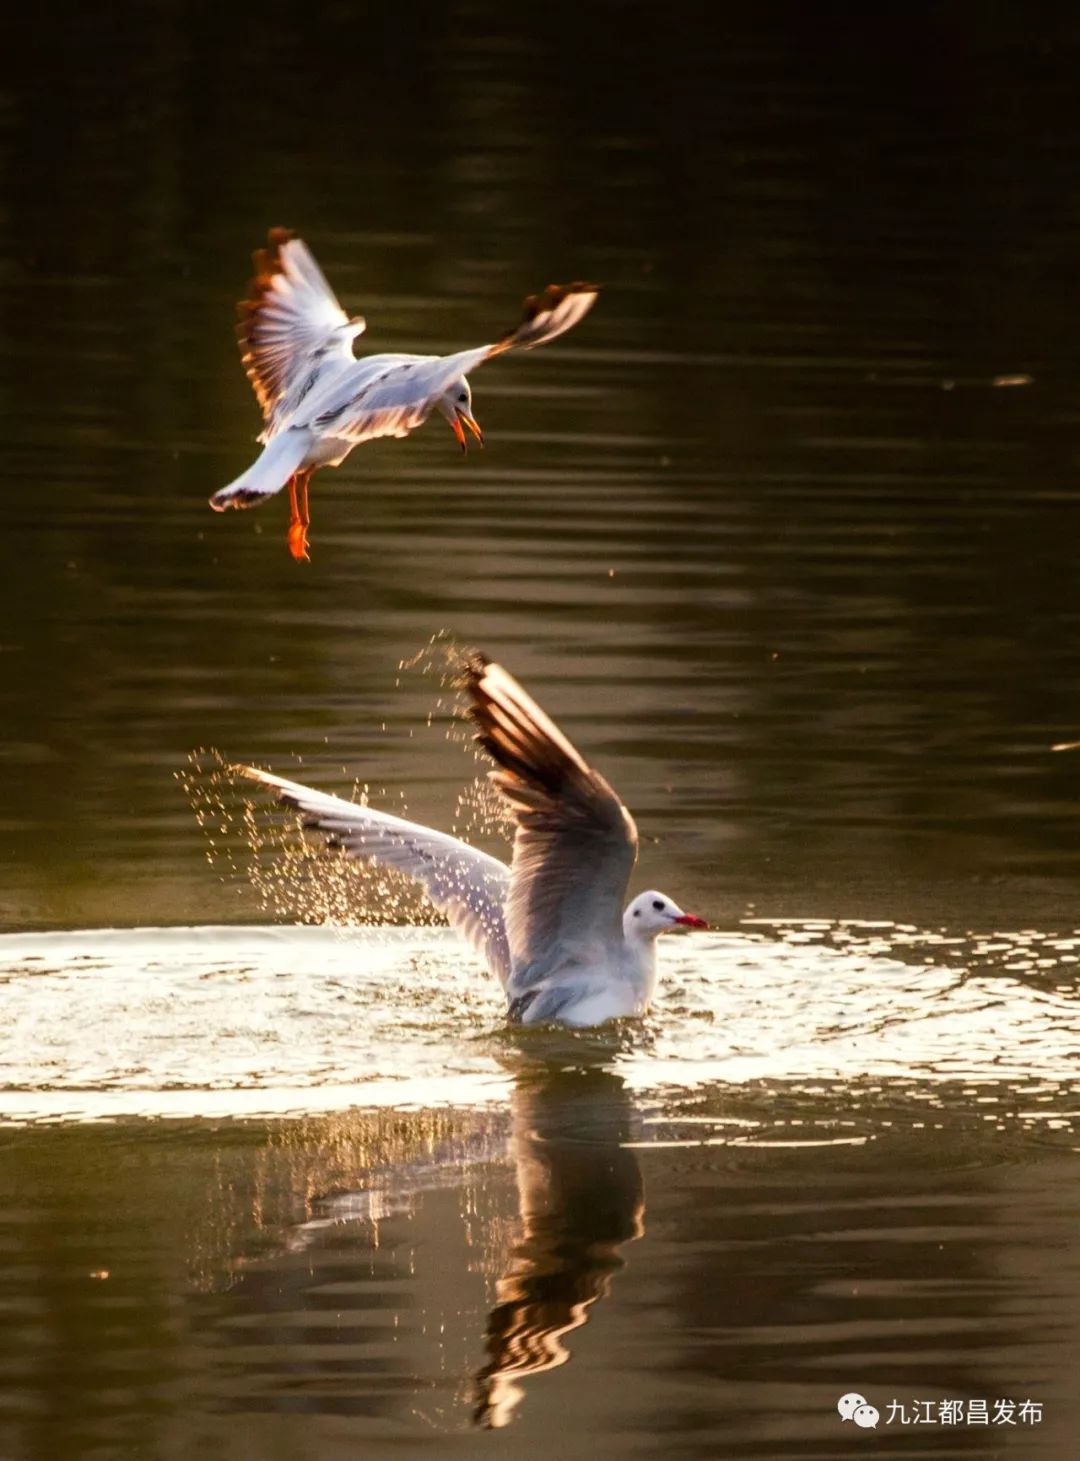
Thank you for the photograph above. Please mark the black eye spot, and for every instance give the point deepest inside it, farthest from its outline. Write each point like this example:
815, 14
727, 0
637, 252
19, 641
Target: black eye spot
463, 397
637, 912
658, 904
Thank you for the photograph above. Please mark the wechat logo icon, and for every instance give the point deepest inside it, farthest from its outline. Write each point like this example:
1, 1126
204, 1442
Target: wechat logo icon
856, 1407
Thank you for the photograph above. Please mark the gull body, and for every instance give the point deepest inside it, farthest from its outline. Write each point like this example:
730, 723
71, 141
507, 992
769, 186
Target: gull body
319, 400
551, 925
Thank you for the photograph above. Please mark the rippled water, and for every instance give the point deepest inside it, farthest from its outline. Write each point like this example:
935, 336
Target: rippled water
355, 1209
242, 1021
783, 534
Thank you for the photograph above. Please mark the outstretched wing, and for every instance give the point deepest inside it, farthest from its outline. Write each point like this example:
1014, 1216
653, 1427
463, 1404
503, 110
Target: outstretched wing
396, 401
575, 844
387, 395
290, 315
547, 315
466, 885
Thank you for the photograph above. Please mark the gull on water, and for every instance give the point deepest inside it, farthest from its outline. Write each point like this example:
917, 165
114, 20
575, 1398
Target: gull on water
319, 401
551, 926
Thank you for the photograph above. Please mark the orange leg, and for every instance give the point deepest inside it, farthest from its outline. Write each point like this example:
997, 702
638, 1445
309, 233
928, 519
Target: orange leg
299, 516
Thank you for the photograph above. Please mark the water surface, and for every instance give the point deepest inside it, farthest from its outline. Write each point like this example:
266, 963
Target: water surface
357, 1210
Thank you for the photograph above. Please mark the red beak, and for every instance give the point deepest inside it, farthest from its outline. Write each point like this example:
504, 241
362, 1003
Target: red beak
691, 920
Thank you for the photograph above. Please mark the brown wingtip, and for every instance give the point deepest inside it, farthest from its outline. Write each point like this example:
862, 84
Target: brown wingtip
473, 666
541, 320
267, 265
473, 669
508, 735
267, 261
551, 297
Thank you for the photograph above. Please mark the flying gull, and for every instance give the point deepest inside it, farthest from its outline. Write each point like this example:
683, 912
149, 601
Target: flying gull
319, 401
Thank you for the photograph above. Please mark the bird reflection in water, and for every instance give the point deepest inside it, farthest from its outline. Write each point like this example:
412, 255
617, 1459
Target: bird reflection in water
580, 1198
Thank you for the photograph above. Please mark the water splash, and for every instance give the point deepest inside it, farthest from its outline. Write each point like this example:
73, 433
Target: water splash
294, 876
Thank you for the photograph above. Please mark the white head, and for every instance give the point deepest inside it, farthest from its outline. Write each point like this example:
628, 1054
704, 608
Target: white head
652, 913
455, 403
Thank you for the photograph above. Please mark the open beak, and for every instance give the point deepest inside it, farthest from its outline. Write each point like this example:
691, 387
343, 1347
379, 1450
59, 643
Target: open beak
691, 920
471, 423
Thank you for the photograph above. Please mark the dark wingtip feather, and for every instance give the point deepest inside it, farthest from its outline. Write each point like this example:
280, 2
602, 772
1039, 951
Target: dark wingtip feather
267, 265
506, 731
551, 297
279, 236
473, 666
541, 312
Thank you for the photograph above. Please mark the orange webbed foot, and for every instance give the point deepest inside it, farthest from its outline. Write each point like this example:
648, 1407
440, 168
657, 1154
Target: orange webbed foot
298, 542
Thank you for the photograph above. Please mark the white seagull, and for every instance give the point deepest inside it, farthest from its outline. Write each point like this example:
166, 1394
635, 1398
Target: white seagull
551, 926
319, 401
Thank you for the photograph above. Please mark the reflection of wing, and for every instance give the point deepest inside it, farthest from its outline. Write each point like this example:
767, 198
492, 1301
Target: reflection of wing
290, 314
464, 884
575, 844
580, 1198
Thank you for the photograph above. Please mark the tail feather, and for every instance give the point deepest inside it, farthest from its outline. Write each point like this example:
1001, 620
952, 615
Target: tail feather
267, 474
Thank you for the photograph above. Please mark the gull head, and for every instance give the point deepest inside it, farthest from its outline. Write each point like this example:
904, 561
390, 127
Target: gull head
652, 913
456, 405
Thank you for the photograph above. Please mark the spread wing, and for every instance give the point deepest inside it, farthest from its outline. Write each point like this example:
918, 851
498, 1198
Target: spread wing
290, 315
547, 315
402, 396
387, 395
464, 884
575, 843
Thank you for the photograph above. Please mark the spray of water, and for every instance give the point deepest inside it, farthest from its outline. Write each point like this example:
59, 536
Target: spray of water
257, 845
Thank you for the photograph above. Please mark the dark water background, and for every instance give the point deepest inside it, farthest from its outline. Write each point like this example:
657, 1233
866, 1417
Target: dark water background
842, 628
763, 533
